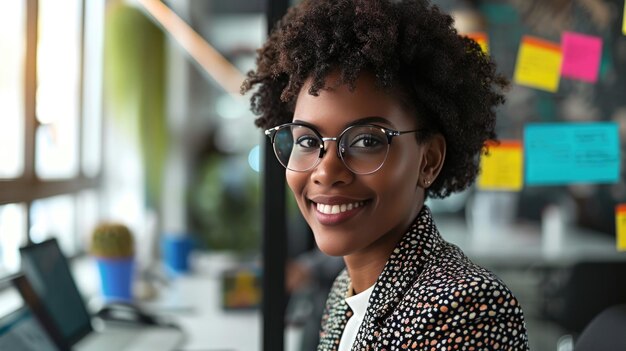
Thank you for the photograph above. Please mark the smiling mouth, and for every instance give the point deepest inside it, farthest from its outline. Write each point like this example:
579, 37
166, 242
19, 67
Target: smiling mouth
339, 208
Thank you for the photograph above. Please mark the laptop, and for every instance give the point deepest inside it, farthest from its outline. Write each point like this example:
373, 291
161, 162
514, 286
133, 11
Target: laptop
48, 272
20, 326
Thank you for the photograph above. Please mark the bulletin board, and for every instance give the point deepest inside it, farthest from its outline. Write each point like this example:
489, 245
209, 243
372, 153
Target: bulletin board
563, 125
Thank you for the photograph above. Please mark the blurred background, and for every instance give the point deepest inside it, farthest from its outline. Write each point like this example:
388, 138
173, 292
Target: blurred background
130, 111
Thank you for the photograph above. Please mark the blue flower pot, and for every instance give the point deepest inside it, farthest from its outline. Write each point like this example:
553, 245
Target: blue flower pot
116, 276
176, 250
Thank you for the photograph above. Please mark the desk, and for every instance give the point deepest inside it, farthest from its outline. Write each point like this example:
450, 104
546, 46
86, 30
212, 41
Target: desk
193, 301
522, 244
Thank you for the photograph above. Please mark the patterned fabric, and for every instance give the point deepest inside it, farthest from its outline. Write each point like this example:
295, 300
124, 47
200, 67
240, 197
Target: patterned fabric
430, 296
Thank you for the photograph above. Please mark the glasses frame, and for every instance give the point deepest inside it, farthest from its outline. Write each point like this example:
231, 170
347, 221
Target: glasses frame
389, 133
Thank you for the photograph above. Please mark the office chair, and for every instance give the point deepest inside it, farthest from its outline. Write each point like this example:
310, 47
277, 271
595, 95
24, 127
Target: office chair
572, 297
605, 332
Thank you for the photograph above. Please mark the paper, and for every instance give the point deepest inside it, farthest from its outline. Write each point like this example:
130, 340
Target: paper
481, 39
564, 153
620, 226
502, 167
581, 56
538, 64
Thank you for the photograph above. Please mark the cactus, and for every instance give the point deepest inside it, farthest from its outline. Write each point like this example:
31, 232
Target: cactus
112, 240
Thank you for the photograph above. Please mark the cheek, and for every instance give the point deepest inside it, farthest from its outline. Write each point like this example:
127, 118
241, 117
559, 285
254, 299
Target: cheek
292, 181
296, 182
398, 182
396, 187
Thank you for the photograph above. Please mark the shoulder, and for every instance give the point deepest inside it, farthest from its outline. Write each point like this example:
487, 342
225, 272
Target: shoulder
454, 301
453, 280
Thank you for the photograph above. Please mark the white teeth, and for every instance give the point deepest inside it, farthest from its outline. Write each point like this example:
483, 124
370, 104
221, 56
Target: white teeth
335, 209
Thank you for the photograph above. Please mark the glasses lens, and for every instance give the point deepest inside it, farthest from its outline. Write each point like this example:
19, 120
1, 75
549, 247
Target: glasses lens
364, 148
297, 147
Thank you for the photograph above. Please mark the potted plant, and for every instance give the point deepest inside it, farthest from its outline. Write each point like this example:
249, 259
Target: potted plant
112, 245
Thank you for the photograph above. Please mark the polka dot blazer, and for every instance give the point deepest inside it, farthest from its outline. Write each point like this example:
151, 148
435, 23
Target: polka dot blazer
430, 296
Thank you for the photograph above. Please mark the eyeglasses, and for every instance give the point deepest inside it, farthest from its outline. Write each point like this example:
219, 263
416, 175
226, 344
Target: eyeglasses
362, 148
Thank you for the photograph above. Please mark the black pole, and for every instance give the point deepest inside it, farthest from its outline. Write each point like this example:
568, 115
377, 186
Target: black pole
274, 228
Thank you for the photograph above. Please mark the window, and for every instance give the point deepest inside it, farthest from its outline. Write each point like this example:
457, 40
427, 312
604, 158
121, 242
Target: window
50, 123
13, 235
57, 92
12, 20
54, 217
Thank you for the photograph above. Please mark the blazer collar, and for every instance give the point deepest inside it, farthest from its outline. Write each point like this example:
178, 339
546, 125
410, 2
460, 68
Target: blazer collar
405, 263
403, 267
407, 260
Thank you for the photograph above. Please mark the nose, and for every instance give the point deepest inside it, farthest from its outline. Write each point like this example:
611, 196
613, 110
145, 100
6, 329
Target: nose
331, 170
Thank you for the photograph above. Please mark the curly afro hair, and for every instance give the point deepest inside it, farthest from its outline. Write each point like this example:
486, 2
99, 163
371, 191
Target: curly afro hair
412, 49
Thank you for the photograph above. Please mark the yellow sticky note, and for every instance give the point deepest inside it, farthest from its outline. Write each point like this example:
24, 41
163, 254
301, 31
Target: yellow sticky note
538, 64
481, 39
620, 226
502, 167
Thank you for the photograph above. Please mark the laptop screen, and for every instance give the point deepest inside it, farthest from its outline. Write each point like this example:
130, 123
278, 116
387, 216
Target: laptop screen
20, 328
48, 272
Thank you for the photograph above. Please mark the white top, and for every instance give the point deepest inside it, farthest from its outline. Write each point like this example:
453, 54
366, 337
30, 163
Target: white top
358, 303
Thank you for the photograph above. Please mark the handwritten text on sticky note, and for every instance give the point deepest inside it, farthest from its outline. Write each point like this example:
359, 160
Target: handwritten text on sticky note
563, 153
501, 168
538, 64
581, 56
620, 226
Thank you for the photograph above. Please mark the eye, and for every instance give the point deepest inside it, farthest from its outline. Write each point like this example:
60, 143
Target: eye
308, 142
366, 141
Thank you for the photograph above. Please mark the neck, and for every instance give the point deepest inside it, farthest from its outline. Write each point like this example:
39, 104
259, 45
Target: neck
364, 273
365, 267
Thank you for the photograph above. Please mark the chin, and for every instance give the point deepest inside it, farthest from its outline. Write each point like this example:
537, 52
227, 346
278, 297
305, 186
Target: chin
333, 251
331, 246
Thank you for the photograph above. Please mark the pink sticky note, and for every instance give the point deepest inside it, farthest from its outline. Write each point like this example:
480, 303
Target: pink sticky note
581, 56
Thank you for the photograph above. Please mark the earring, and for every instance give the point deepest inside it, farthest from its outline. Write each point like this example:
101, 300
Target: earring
426, 182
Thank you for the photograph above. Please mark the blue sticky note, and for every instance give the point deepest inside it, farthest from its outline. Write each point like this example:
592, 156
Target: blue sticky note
565, 153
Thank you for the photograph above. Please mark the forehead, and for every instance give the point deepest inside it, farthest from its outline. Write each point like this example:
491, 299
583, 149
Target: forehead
337, 107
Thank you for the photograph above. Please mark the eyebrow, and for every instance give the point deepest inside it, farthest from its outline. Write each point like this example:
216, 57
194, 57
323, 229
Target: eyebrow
361, 121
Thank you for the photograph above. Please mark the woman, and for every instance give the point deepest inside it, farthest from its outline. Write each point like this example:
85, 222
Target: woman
372, 106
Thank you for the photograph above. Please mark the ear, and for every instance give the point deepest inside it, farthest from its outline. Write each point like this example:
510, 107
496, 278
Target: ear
433, 157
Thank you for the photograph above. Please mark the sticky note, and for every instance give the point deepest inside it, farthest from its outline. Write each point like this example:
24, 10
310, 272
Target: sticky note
565, 153
481, 39
581, 56
502, 167
620, 226
538, 64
